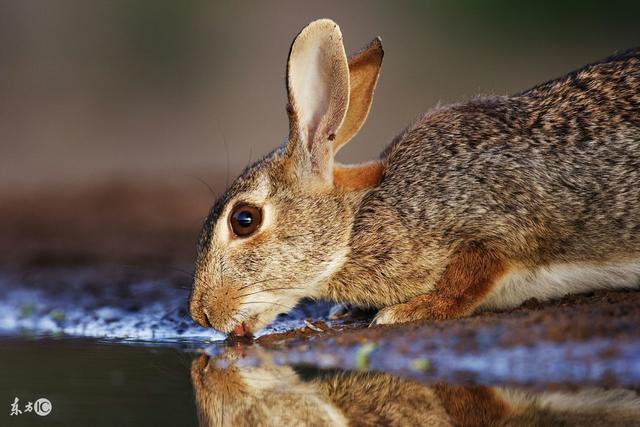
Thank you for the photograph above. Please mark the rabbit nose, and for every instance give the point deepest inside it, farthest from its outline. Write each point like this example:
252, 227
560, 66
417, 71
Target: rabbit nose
207, 319
201, 319
199, 315
215, 307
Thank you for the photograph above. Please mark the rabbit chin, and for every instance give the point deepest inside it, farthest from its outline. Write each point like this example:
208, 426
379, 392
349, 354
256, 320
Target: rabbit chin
259, 314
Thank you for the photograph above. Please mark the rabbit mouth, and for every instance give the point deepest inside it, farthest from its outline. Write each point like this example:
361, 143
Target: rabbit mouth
242, 329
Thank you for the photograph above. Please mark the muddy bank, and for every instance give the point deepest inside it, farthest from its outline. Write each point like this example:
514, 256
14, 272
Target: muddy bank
579, 340
603, 314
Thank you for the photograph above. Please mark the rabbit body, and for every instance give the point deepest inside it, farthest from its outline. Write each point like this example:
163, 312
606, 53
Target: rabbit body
475, 206
544, 184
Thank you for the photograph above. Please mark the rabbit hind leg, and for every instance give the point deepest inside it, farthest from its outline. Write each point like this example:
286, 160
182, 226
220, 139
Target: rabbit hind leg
469, 277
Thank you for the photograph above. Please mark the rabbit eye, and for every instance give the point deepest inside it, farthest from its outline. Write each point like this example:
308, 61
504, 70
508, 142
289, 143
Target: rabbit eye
245, 219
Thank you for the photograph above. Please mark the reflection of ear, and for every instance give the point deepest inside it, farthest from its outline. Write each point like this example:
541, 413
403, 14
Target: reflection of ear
318, 91
364, 69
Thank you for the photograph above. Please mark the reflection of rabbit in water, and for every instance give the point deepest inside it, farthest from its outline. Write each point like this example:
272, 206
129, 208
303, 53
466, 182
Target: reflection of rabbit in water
475, 206
230, 394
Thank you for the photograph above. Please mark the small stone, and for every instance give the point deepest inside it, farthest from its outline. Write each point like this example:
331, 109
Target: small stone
362, 355
57, 315
420, 364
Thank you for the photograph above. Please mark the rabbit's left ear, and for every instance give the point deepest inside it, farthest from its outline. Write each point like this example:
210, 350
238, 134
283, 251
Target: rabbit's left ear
318, 91
364, 69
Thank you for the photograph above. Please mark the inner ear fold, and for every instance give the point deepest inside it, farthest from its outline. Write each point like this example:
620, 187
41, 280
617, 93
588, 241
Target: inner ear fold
318, 86
364, 69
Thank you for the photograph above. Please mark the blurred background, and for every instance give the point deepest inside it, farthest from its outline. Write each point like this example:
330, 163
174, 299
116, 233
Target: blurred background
113, 112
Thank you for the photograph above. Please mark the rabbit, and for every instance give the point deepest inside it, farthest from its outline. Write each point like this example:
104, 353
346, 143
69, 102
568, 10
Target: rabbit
475, 206
232, 392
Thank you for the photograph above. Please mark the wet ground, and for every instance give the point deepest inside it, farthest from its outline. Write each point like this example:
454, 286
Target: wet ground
93, 314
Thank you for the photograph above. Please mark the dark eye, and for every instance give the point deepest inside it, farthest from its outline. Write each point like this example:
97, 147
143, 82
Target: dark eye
245, 219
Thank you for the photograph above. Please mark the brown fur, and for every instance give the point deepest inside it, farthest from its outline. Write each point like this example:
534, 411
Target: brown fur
357, 177
473, 406
468, 278
463, 197
364, 68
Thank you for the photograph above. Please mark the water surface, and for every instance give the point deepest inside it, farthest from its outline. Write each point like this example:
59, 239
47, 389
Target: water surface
138, 383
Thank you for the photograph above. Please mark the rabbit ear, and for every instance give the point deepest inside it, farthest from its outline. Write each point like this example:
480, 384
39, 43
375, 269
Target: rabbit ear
364, 68
318, 91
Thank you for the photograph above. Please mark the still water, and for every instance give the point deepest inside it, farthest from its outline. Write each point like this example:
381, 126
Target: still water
89, 382
92, 382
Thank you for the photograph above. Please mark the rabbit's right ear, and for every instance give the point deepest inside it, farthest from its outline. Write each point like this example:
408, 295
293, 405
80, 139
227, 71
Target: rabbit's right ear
318, 91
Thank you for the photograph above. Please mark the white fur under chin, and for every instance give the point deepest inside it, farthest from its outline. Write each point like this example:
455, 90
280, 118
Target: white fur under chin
557, 280
269, 304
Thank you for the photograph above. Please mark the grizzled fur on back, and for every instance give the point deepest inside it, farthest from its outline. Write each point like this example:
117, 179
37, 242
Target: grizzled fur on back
548, 175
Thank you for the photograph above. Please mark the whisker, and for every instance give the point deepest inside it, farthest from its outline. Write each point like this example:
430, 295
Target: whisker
268, 289
226, 149
257, 283
205, 183
265, 302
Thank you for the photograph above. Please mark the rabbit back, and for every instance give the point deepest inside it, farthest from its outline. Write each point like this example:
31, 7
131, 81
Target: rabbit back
552, 173
547, 176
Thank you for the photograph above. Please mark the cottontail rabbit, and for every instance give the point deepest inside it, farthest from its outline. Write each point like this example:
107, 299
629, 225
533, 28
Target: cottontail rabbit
475, 206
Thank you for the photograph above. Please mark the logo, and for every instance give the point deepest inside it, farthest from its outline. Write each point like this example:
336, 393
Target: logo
42, 407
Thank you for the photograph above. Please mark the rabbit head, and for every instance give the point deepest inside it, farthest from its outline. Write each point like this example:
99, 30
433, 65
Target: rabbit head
231, 392
281, 230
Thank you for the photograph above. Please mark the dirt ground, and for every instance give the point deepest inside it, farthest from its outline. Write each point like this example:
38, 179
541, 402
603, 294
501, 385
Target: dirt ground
111, 236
